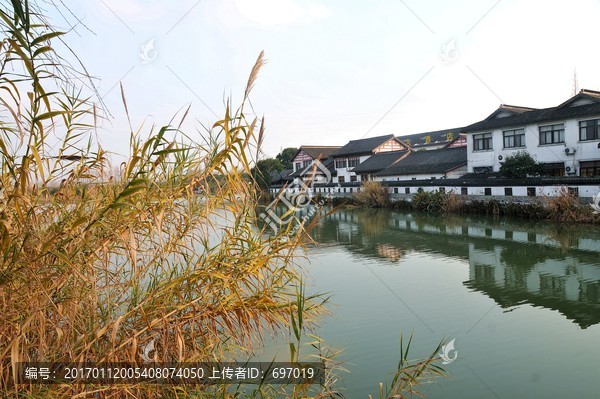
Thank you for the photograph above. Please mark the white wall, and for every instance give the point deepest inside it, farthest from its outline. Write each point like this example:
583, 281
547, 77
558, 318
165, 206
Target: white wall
453, 174
347, 172
585, 150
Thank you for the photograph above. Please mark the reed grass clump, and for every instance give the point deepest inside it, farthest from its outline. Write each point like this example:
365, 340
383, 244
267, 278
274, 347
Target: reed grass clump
430, 201
372, 195
98, 262
566, 206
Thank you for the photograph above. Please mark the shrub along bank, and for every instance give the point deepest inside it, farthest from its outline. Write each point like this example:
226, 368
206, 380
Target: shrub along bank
565, 207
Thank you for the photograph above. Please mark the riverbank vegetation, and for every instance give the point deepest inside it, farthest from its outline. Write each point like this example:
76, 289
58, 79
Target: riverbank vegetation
99, 262
372, 195
565, 207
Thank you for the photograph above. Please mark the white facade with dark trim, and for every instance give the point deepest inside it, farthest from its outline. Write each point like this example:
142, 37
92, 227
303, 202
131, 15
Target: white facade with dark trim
566, 138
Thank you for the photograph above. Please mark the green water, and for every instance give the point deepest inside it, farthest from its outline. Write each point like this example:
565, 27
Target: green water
521, 300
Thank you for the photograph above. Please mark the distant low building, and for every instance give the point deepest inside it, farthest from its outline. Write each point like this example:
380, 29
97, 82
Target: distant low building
279, 179
356, 152
305, 157
378, 162
443, 163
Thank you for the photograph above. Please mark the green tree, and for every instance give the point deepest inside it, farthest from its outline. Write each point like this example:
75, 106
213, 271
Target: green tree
286, 156
520, 165
262, 171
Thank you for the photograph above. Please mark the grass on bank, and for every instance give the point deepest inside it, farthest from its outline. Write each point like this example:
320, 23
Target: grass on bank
565, 207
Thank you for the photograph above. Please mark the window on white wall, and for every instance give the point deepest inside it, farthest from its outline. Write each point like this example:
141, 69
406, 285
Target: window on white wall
514, 138
341, 163
353, 162
482, 142
589, 130
552, 134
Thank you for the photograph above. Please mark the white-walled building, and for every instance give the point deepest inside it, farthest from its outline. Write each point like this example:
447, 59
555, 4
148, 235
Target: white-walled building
565, 138
444, 163
305, 157
357, 151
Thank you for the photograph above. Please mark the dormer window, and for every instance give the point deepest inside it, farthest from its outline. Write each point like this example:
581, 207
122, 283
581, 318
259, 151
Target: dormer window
341, 163
353, 162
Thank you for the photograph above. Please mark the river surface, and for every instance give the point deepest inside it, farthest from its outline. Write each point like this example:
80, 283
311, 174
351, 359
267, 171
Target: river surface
521, 300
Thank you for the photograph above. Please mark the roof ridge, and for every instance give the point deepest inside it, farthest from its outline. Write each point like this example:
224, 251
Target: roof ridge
516, 106
320, 146
375, 137
589, 91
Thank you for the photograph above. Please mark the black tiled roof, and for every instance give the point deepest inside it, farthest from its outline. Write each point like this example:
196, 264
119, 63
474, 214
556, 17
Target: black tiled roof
512, 109
553, 114
432, 161
281, 177
317, 152
436, 137
362, 146
327, 163
379, 161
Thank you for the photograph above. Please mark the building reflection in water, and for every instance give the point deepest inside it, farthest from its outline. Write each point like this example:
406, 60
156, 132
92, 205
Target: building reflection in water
513, 263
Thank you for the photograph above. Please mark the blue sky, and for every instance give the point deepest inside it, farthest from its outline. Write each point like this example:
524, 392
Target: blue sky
337, 70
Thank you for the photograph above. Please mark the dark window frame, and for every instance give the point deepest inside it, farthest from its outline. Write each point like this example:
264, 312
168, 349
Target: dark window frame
353, 162
593, 129
483, 142
552, 134
517, 136
341, 163
589, 168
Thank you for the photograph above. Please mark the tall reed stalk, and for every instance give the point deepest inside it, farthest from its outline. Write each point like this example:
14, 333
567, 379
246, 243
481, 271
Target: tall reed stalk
96, 263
